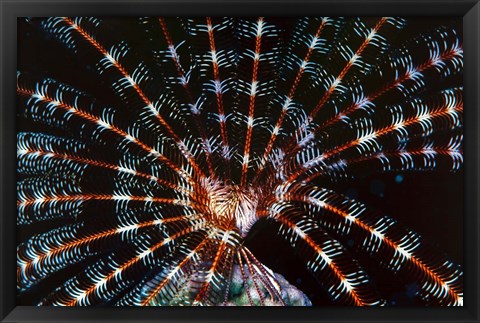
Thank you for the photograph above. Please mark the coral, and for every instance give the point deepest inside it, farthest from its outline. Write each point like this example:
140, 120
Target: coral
240, 295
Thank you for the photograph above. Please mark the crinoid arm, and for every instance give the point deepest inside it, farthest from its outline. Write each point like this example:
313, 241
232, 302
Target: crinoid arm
396, 247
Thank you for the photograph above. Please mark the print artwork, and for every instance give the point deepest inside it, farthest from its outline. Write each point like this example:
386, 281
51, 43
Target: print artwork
235, 161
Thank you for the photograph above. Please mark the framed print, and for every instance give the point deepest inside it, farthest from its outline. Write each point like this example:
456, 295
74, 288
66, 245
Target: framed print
309, 161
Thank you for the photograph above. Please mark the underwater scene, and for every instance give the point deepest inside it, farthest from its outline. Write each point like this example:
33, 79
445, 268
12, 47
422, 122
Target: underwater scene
240, 161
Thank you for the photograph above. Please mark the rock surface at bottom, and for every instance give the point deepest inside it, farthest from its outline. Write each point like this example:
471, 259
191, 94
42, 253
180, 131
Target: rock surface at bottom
238, 295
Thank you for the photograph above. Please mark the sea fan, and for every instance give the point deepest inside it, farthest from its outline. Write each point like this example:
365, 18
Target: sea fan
145, 191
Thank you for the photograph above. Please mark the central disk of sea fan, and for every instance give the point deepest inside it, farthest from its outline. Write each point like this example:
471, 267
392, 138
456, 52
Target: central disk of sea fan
230, 206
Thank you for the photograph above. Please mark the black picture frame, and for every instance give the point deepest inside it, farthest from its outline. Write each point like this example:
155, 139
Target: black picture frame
11, 9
